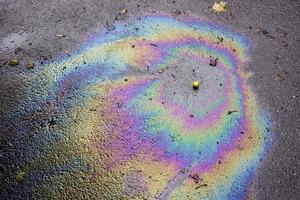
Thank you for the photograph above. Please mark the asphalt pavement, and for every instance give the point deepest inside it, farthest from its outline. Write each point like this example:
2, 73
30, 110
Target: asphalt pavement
42, 153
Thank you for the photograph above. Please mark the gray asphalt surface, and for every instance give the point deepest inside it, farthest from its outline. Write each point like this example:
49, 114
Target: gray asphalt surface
32, 26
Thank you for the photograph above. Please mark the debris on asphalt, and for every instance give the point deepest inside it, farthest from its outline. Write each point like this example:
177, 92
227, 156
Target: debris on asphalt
30, 65
176, 12
52, 121
195, 177
124, 11
119, 105
68, 53
60, 35
279, 77
153, 44
239, 147
220, 7
276, 58
183, 171
196, 85
264, 32
109, 26
284, 43
202, 185
17, 50
282, 33
13, 61
122, 14
220, 39
20, 176
231, 111
213, 61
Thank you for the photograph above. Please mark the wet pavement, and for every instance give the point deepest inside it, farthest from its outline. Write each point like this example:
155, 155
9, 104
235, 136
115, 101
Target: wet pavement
97, 100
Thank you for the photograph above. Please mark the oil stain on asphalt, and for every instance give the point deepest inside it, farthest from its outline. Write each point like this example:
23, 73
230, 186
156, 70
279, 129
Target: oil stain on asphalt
106, 137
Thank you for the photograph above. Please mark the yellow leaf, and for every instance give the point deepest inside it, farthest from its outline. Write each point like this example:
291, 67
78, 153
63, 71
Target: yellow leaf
20, 175
220, 7
13, 61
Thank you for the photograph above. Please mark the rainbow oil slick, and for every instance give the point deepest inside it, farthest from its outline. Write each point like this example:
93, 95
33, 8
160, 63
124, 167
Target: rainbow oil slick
118, 119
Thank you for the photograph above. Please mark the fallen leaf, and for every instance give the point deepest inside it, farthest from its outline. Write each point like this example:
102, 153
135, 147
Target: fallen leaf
13, 61
20, 175
220, 7
30, 65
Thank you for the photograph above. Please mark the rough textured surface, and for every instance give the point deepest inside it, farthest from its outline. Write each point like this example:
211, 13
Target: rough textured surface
42, 31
